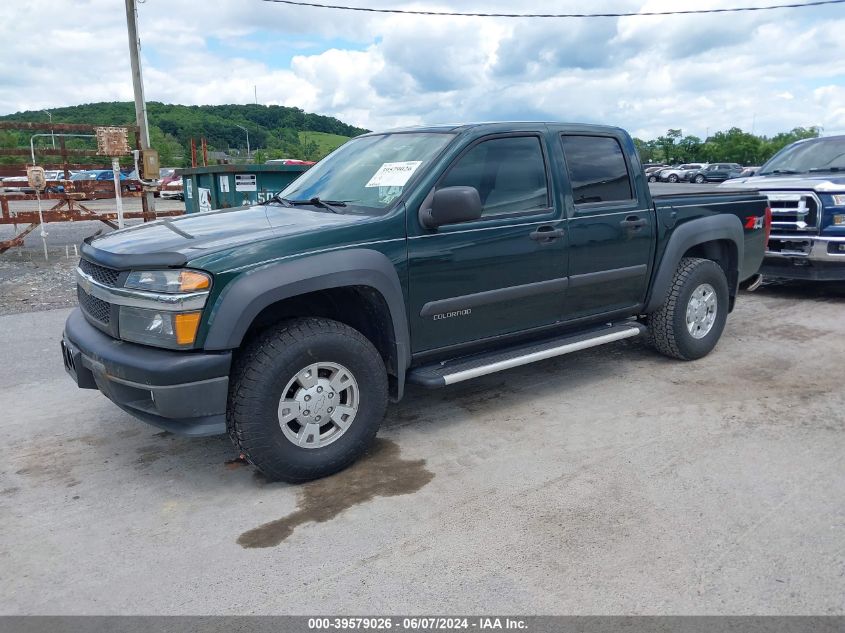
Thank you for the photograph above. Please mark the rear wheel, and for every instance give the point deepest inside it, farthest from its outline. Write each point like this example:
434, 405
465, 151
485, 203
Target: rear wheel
691, 320
307, 399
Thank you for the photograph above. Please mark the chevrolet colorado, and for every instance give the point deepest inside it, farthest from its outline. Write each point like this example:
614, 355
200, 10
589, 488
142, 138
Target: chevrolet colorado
430, 256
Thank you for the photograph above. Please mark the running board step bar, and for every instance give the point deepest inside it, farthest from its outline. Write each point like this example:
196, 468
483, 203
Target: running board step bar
451, 371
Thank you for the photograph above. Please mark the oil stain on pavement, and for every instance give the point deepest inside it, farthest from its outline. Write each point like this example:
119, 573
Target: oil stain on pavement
380, 473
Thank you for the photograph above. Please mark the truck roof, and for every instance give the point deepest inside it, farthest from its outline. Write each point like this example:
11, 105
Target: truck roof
498, 126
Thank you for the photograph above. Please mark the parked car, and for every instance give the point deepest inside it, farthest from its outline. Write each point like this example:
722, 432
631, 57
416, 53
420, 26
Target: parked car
87, 174
16, 184
715, 172
166, 176
805, 184
127, 181
680, 173
173, 190
55, 180
428, 256
653, 172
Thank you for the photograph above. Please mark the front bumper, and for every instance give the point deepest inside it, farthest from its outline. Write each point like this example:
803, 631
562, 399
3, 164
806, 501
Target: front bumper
810, 257
182, 392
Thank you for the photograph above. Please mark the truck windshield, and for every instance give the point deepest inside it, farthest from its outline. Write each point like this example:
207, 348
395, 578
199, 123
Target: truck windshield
367, 173
824, 154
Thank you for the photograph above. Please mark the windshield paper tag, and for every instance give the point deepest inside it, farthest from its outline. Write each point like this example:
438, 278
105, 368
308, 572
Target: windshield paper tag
394, 174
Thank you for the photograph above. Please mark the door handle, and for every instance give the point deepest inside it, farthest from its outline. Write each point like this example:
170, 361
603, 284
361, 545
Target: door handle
546, 234
633, 222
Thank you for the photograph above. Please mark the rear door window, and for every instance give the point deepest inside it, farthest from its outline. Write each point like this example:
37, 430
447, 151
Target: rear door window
597, 169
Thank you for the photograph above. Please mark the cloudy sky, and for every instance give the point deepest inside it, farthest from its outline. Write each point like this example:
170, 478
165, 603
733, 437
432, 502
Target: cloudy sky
769, 71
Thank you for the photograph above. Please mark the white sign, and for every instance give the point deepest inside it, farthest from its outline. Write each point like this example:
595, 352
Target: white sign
246, 182
394, 174
224, 184
189, 188
204, 196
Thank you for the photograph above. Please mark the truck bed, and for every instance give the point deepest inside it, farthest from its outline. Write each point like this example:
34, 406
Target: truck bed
661, 190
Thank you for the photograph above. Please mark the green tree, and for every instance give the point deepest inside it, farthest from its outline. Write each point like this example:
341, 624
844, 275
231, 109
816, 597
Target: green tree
667, 145
688, 149
733, 146
648, 150
170, 152
779, 141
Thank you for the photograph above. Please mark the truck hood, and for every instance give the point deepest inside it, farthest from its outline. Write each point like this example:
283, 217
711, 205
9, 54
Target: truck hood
186, 237
813, 182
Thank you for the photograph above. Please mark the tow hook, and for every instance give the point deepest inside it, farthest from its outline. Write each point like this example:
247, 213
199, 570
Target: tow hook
755, 282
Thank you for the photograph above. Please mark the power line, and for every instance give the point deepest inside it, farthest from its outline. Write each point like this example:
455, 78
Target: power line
317, 5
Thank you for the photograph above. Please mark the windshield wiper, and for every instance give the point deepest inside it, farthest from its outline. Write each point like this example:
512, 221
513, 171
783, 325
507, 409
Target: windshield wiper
317, 202
278, 198
818, 169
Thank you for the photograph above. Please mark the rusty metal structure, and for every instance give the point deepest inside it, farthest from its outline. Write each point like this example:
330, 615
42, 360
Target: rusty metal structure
68, 204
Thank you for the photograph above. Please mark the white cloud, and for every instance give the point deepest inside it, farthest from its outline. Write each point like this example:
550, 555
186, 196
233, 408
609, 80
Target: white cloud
773, 70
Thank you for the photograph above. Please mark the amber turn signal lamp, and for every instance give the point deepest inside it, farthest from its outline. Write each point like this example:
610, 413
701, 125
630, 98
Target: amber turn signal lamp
185, 326
190, 281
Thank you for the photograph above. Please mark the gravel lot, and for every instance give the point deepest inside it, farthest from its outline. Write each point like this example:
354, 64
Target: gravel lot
612, 481
30, 282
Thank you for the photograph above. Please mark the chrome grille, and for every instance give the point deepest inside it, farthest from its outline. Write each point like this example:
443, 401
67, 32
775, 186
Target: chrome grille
95, 308
100, 274
793, 211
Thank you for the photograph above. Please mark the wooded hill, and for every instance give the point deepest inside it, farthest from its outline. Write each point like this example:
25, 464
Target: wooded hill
276, 131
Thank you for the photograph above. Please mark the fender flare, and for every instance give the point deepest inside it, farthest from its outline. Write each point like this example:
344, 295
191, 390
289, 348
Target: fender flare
717, 227
244, 298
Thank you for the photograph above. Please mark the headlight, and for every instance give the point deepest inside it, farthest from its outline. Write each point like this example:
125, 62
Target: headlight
168, 281
839, 200
169, 315
175, 330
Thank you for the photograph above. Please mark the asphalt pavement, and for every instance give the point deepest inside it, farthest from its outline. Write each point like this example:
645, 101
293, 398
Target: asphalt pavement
611, 481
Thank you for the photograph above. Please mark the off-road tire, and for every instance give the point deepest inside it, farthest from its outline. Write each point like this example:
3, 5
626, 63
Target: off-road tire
667, 325
259, 376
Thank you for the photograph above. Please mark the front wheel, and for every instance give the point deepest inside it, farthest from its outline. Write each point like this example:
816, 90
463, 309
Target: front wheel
699, 180
307, 399
691, 320
673, 178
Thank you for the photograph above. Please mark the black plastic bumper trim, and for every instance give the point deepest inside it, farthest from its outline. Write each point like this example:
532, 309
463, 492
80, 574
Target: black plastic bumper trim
181, 392
142, 364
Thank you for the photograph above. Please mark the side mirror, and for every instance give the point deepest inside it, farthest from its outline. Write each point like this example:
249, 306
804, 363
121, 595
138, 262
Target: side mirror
451, 205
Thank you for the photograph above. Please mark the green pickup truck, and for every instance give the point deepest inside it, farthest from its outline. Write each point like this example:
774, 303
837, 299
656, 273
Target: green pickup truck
429, 256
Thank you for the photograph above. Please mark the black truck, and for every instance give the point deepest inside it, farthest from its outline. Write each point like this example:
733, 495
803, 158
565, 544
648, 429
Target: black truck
429, 256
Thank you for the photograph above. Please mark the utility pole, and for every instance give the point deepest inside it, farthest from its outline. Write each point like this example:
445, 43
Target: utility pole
247, 139
52, 136
138, 88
